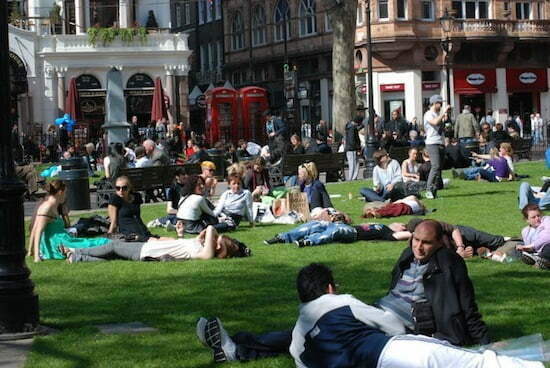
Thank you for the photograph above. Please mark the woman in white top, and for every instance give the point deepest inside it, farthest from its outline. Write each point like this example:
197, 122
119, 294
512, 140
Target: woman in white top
207, 245
409, 167
193, 208
385, 176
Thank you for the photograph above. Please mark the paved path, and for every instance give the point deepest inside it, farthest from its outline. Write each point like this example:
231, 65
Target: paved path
14, 353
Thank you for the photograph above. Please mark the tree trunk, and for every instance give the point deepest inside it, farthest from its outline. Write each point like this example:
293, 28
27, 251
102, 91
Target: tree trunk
344, 18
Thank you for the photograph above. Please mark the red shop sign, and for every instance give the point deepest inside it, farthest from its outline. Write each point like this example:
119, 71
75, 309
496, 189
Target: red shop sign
392, 87
526, 80
474, 81
430, 86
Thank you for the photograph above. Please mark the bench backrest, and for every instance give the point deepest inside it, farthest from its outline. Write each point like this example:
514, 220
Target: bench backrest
156, 176
325, 162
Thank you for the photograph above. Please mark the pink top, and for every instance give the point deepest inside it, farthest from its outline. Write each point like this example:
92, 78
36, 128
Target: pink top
539, 236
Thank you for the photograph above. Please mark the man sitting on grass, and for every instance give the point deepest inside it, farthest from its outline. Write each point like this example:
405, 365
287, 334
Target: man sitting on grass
430, 288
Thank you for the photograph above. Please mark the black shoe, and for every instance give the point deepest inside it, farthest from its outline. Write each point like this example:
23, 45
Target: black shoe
303, 243
273, 240
528, 258
219, 341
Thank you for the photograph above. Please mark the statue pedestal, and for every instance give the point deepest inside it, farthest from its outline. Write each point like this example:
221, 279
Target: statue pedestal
117, 132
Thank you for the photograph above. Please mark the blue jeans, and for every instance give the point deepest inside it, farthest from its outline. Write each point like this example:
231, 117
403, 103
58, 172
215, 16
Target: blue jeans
373, 196
471, 173
488, 175
526, 197
321, 232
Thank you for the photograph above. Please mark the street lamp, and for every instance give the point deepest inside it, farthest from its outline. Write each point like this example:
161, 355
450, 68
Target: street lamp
18, 302
372, 143
446, 24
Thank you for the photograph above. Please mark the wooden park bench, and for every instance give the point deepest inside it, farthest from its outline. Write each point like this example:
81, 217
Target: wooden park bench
330, 163
522, 148
154, 179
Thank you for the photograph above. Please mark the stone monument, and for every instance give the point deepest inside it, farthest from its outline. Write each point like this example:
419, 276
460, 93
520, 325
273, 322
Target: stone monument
116, 126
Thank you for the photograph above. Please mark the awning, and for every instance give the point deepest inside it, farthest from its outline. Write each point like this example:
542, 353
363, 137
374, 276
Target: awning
475, 81
526, 80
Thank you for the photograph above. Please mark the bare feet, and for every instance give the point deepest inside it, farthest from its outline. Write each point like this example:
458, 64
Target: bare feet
67, 252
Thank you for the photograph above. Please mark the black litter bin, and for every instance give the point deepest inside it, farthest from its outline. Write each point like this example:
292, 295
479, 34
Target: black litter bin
74, 172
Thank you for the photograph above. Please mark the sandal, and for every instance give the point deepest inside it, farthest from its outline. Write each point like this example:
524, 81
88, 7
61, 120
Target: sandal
68, 253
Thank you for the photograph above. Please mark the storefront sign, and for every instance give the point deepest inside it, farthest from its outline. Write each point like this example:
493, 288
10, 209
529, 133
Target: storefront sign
526, 80
430, 86
87, 81
139, 92
392, 87
475, 81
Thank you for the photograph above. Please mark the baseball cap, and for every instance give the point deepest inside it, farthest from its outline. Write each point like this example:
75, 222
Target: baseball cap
435, 99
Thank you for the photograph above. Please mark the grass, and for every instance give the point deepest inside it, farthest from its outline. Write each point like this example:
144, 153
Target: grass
258, 294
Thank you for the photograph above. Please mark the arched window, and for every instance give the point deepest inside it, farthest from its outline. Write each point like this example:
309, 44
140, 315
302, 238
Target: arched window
140, 80
307, 17
258, 26
280, 19
87, 81
237, 32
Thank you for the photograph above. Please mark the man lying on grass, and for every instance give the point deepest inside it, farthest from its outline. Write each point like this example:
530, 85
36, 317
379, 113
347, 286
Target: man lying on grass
207, 245
430, 294
340, 331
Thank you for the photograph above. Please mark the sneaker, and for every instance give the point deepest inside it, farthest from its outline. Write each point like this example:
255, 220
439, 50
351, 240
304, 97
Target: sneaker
545, 178
273, 240
529, 259
303, 243
154, 223
218, 340
542, 264
507, 238
201, 326
429, 195
169, 226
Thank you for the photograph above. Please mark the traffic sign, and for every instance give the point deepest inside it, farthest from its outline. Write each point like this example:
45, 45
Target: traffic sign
201, 101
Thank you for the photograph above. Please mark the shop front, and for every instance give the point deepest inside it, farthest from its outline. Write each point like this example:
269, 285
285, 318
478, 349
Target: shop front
524, 87
139, 98
472, 87
393, 96
92, 104
429, 89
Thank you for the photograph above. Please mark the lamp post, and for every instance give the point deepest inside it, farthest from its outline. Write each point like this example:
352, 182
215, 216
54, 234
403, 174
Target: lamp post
372, 142
446, 23
18, 302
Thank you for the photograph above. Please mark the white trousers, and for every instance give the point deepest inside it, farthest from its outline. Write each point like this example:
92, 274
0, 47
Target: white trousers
353, 165
411, 351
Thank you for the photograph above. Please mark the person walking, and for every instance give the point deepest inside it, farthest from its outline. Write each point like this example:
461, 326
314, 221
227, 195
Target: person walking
434, 142
466, 126
352, 145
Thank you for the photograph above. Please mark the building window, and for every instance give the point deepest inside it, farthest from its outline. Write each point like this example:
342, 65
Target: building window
205, 65
237, 32
540, 11
360, 14
209, 11
218, 8
202, 11
427, 10
471, 9
280, 19
307, 17
213, 56
402, 9
220, 54
523, 10
383, 9
103, 13
328, 23
258, 26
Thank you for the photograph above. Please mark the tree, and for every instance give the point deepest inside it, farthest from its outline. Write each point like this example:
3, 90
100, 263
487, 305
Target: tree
343, 14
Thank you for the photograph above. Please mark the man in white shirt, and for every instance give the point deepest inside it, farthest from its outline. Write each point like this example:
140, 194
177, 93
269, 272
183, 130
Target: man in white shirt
434, 142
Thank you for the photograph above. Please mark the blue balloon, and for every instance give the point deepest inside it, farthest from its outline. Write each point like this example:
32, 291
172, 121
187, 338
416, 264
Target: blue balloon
66, 119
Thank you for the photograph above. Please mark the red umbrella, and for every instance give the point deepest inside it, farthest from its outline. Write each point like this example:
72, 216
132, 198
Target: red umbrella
72, 103
158, 111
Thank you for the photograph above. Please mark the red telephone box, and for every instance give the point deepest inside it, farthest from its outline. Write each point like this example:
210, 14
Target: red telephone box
254, 102
222, 120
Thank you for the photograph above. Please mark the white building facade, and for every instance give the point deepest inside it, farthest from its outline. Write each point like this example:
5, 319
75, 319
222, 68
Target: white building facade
49, 61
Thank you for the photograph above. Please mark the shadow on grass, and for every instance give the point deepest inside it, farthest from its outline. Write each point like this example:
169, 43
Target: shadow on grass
470, 194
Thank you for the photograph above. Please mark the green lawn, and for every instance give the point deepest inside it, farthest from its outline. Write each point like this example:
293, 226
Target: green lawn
258, 293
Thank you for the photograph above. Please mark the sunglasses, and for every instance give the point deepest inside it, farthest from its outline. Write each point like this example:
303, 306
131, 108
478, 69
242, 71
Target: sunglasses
123, 188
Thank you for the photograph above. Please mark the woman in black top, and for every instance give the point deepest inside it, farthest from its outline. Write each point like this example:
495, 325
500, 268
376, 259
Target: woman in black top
296, 147
125, 212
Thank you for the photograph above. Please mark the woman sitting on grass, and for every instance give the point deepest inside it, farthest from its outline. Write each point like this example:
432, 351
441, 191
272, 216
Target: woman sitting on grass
410, 166
496, 169
48, 227
407, 206
385, 176
536, 238
235, 202
317, 195
125, 212
256, 179
207, 245
193, 208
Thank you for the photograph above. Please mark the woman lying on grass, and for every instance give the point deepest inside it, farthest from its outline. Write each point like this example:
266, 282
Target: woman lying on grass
207, 245
409, 205
323, 232
48, 227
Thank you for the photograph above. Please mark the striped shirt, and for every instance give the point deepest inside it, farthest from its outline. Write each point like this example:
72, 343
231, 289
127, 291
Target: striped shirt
408, 290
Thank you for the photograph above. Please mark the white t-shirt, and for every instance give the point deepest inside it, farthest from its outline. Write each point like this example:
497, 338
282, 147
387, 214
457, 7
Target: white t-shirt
144, 162
183, 249
192, 207
415, 207
433, 134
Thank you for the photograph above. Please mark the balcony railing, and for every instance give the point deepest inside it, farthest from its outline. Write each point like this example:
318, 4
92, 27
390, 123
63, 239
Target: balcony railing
209, 76
496, 27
